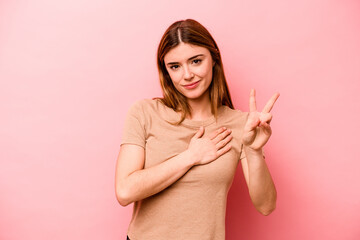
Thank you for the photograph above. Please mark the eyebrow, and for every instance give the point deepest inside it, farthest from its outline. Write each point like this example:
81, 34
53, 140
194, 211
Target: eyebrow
199, 55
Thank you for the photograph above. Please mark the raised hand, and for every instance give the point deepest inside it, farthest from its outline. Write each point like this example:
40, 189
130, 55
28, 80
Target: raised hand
257, 130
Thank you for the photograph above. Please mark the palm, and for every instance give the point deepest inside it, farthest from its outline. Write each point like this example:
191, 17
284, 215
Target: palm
257, 130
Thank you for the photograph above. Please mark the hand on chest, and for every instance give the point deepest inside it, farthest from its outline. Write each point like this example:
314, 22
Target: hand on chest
162, 145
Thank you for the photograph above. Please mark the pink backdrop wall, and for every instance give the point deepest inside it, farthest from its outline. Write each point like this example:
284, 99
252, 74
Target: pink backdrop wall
69, 70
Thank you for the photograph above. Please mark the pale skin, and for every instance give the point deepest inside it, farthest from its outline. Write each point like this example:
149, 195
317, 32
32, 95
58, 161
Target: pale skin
133, 182
257, 132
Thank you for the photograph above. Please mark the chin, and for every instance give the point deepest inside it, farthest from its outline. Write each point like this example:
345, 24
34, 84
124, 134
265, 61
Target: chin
194, 95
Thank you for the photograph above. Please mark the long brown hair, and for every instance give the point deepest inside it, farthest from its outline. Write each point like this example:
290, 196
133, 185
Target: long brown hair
192, 32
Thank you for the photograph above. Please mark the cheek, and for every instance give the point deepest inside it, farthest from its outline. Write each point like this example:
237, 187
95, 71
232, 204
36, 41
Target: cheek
175, 76
205, 71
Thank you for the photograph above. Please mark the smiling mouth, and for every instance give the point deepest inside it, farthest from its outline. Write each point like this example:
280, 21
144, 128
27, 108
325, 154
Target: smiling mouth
191, 84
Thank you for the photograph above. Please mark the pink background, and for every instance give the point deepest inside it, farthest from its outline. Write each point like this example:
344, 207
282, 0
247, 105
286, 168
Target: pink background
69, 70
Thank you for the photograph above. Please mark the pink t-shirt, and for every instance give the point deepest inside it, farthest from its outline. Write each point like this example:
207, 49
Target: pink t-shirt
194, 206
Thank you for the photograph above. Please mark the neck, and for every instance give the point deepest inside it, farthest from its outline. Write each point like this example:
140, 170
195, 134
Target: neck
200, 108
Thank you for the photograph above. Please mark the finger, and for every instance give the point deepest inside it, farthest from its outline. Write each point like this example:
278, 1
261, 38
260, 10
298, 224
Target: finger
266, 117
252, 101
221, 136
266, 128
252, 122
200, 132
269, 105
223, 143
223, 150
215, 133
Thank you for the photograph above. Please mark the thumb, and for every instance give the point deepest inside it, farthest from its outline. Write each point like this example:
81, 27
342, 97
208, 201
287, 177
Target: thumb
200, 132
252, 123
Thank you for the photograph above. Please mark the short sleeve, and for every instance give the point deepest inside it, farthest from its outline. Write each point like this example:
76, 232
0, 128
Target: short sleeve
134, 126
242, 153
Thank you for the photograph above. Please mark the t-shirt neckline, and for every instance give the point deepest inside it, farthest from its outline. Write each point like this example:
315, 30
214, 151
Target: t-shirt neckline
198, 123
195, 123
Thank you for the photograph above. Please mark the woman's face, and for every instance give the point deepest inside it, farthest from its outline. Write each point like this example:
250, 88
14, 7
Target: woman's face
187, 64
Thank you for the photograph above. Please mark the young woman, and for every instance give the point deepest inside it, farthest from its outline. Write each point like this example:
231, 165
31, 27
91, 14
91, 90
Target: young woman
179, 153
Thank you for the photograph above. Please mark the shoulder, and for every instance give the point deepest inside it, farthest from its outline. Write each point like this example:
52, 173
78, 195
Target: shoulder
139, 102
156, 110
142, 103
145, 101
146, 106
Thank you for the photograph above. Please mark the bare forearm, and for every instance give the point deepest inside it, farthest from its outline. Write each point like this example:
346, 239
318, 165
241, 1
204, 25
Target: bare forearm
261, 186
146, 182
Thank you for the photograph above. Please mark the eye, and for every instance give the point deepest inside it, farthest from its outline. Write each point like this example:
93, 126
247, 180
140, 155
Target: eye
196, 61
174, 67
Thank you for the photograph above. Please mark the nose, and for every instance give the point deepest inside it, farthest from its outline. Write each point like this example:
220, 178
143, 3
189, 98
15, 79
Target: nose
188, 75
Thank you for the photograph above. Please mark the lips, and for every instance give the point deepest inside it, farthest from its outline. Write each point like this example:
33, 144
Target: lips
191, 84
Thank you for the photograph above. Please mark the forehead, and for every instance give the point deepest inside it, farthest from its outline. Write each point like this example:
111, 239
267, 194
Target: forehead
184, 51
